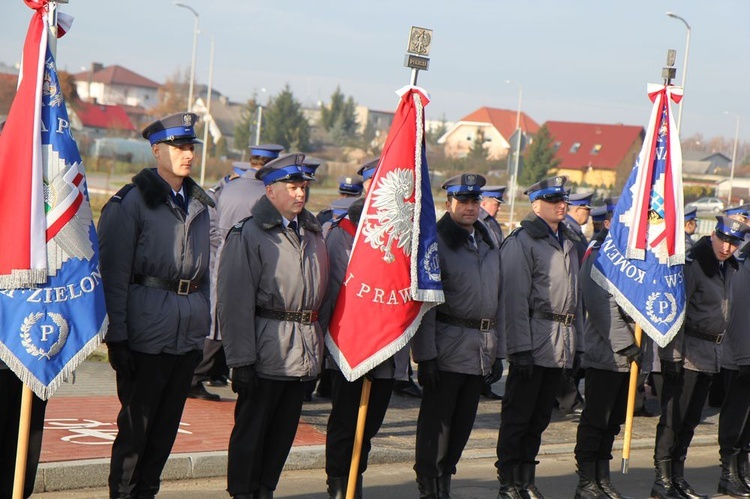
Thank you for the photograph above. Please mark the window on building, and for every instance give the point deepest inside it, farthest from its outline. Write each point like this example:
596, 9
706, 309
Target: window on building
574, 148
556, 146
596, 149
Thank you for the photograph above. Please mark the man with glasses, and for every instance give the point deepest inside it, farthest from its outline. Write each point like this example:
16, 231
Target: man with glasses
541, 317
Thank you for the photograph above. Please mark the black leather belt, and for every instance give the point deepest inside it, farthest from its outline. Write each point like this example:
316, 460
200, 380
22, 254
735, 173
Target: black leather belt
565, 319
303, 316
713, 338
481, 324
181, 286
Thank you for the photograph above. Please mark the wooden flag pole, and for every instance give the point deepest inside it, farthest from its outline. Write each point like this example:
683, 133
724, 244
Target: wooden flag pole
24, 425
359, 435
634, 369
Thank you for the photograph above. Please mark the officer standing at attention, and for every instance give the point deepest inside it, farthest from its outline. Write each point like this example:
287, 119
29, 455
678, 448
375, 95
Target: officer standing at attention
349, 188
734, 418
155, 254
579, 210
542, 314
690, 226
492, 198
598, 216
459, 343
273, 273
229, 209
609, 350
693, 356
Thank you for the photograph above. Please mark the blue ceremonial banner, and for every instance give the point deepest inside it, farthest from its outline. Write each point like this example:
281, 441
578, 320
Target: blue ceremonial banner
641, 260
47, 329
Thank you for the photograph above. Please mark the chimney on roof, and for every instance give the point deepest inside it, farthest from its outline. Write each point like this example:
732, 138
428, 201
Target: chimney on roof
96, 66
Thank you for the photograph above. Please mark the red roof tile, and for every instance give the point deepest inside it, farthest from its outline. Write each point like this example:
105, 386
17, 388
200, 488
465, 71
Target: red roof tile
117, 75
101, 116
503, 120
612, 142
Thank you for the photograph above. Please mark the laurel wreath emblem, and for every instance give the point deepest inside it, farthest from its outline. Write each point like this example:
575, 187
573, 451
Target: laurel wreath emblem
28, 342
430, 262
650, 308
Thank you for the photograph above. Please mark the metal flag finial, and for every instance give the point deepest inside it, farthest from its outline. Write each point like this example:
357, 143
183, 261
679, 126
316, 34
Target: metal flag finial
418, 48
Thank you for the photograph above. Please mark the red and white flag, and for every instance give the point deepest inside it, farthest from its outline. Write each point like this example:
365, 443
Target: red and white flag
393, 276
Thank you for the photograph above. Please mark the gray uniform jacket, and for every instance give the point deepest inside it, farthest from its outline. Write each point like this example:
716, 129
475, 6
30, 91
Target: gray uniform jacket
688, 241
582, 244
339, 243
496, 232
737, 341
473, 285
706, 310
544, 278
606, 331
216, 240
142, 232
264, 265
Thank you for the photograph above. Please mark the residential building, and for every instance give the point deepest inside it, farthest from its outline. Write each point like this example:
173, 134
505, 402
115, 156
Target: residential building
116, 85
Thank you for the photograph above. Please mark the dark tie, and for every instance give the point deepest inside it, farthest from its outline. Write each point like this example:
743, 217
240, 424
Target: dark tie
293, 226
472, 241
180, 201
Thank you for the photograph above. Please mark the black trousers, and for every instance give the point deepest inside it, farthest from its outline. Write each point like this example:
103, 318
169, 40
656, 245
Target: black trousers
606, 404
10, 412
682, 401
148, 421
263, 434
446, 417
214, 363
568, 395
527, 409
734, 418
342, 422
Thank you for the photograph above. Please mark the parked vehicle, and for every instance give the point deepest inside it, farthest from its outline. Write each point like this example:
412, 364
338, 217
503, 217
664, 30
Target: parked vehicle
714, 205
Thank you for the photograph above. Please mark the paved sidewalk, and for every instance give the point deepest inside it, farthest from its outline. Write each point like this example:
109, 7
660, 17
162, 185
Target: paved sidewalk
80, 427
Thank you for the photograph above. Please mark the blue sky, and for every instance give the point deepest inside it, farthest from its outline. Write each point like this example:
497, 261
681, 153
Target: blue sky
579, 60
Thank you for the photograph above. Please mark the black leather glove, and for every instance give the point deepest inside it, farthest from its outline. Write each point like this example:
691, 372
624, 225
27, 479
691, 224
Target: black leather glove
577, 364
121, 359
523, 364
244, 381
743, 376
633, 353
671, 370
496, 373
428, 375
370, 375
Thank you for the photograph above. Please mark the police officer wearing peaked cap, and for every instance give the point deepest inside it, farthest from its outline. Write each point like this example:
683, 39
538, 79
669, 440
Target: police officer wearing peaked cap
155, 255
740, 213
460, 343
690, 224
542, 316
492, 198
272, 275
350, 186
234, 195
367, 171
689, 361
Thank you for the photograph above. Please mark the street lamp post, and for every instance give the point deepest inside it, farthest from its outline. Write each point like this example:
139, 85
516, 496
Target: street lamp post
259, 121
734, 154
208, 118
514, 174
684, 64
195, 46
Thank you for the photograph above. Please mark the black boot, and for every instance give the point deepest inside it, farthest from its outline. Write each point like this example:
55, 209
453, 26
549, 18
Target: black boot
525, 482
663, 488
507, 477
743, 467
337, 487
680, 484
587, 486
427, 487
604, 481
263, 493
444, 486
730, 483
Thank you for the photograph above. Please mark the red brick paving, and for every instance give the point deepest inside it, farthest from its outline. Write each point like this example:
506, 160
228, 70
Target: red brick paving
84, 428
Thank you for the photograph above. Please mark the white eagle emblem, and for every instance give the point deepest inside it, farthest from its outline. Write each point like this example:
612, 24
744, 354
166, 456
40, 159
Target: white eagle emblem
395, 214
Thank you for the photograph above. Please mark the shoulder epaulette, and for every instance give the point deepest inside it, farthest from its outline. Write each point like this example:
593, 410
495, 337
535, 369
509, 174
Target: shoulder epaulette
513, 233
120, 195
236, 228
689, 257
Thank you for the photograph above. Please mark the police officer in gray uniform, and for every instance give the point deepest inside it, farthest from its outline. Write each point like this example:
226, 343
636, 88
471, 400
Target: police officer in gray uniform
492, 199
693, 356
542, 314
155, 254
461, 341
609, 350
690, 226
734, 419
232, 205
273, 273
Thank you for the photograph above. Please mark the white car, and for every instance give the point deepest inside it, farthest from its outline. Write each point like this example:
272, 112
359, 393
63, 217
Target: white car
714, 205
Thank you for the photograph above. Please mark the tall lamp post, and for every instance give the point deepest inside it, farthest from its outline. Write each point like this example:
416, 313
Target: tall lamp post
514, 173
208, 119
734, 153
195, 46
684, 64
259, 120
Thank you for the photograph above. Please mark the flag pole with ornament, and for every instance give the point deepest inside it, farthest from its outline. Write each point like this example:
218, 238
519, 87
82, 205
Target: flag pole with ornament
641, 260
393, 276
52, 310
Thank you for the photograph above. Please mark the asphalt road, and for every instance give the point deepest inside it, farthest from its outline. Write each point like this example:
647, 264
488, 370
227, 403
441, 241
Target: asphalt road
475, 480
